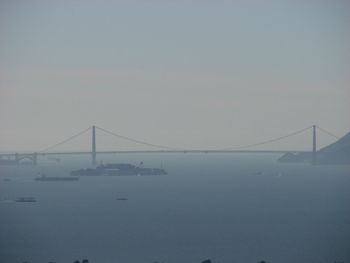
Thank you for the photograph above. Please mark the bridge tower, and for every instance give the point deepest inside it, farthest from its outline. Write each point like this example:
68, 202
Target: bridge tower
314, 153
93, 151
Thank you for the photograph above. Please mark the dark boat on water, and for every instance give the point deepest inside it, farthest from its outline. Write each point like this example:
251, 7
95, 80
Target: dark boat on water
119, 169
45, 178
26, 199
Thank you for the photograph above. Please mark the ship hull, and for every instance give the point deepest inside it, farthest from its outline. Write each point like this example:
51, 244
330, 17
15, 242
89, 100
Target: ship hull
56, 179
118, 170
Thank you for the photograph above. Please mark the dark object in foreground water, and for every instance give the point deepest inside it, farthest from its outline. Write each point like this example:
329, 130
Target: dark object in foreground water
119, 169
26, 199
121, 199
45, 178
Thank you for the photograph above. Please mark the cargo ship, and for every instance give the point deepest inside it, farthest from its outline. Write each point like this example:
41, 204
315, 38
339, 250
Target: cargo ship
119, 169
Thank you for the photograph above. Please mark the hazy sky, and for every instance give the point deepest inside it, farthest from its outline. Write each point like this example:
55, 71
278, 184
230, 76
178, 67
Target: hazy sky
190, 74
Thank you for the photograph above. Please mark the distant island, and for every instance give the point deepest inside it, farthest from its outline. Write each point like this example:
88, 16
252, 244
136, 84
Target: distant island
337, 153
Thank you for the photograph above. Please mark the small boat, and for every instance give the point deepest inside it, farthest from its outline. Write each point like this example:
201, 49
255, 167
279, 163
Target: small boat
121, 199
26, 199
45, 178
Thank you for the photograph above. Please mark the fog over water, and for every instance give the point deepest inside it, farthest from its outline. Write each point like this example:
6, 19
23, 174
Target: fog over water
227, 207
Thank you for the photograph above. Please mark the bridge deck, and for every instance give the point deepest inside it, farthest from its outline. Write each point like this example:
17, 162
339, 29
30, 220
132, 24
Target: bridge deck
156, 151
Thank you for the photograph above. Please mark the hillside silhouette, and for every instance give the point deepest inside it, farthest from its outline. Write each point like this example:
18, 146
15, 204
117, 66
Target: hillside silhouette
335, 153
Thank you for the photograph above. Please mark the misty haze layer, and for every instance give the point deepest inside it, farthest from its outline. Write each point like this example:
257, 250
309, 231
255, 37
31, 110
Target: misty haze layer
187, 74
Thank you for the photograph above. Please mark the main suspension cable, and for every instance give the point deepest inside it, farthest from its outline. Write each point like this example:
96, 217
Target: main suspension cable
265, 142
138, 141
327, 132
64, 141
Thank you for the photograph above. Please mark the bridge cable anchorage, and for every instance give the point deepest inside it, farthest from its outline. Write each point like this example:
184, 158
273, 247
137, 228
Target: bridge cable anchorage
266, 142
64, 141
138, 141
327, 132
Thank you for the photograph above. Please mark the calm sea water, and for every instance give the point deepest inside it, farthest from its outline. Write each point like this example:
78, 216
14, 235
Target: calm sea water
227, 207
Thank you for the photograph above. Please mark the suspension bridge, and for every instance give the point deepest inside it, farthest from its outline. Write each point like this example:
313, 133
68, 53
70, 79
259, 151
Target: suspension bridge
33, 157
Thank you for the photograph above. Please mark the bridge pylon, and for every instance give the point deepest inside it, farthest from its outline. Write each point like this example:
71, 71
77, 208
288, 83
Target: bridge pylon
314, 152
93, 150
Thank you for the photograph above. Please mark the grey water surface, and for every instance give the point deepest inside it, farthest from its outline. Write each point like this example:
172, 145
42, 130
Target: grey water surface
227, 207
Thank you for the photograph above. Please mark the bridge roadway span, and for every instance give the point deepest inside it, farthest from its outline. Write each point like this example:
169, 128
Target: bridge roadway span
155, 151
